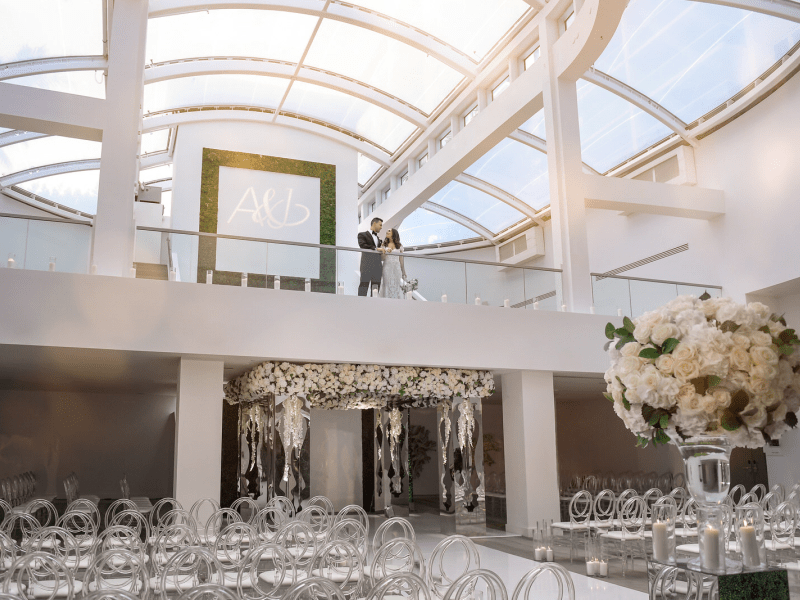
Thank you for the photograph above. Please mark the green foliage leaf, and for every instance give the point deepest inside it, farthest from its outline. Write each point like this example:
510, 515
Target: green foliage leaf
647, 411
669, 345
729, 326
661, 437
765, 329
641, 441
791, 419
730, 421
622, 332
610, 331
664, 421
628, 324
651, 353
705, 296
788, 336
714, 381
786, 350
739, 401
608, 396
625, 403
623, 341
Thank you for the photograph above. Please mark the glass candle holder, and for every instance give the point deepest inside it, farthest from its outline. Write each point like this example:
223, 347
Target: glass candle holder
664, 517
749, 530
711, 535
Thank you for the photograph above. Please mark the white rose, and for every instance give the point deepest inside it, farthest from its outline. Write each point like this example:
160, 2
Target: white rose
779, 414
691, 421
685, 351
740, 358
740, 341
759, 338
722, 397
775, 328
642, 332
767, 372
686, 370
708, 404
666, 364
688, 320
763, 355
628, 365
727, 310
631, 349
663, 332
758, 386
688, 398
762, 311
754, 416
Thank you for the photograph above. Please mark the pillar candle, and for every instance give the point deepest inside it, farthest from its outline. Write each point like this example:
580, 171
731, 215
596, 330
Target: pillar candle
244, 279
660, 542
11, 263
750, 554
591, 310
477, 301
550, 555
209, 276
444, 298
276, 283
133, 272
506, 303
341, 289
409, 295
563, 308
602, 568
619, 312
711, 549
51, 266
93, 270
591, 568
535, 306
308, 285
539, 554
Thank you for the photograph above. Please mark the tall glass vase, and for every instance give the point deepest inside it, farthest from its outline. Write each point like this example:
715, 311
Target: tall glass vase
707, 467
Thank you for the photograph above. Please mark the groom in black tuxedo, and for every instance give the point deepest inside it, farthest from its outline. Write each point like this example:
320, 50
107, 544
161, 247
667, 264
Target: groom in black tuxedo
371, 266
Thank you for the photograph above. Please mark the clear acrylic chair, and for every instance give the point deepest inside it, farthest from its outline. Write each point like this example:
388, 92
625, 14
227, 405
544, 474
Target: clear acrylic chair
186, 569
760, 490
110, 595
481, 583
8, 551
268, 521
679, 480
247, 509
118, 506
782, 523
88, 507
317, 517
170, 540
5, 510
284, 504
352, 532
41, 575
314, 588
134, 520
119, 537
209, 591
603, 509
160, 509
299, 540
394, 527
81, 525
580, 516
399, 555
218, 521
20, 527
630, 539
202, 510
736, 494
452, 558
324, 502
341, 563
231, 547
400, 586
266, 572
562, 576
650, 497
118, 570
353, 511
62, 544
44, 511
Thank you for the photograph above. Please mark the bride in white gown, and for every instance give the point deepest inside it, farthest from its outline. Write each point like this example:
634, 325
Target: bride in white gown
394, 270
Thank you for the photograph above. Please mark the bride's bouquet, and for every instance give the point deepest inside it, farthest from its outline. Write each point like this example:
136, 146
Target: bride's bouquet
410, 285
705, 366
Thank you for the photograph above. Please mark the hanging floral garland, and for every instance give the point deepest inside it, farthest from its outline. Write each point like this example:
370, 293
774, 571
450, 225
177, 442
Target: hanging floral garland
347, 386
466, 424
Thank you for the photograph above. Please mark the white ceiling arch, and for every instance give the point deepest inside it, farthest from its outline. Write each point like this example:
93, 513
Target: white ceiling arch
15, 136
286, 70
42, 66
339, 11
48, 170
453, 215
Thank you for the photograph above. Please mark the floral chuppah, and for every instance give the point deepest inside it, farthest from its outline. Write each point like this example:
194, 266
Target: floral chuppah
390, 390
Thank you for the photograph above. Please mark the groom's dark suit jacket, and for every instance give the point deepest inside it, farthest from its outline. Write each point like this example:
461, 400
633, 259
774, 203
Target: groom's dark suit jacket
371, 265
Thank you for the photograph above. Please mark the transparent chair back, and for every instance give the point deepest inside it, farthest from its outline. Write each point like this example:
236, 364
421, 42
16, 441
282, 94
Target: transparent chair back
135, 520
783, 522
209, 591
604, 506
247, 508
118, 570
341, 563
689, 515
117, 507
110, 595
650, 497
231, 547
623, 498
60, 543
400, 586
44, 511
736, 494
399, 555
314, 588
20, 527
299, 540
5, 510
482, 583
562, 576
202, 510
268, 521
316, 516
160, 510
119, 537
580, 508
216, 523
323, 502
452, 558
8, 551
283, 504
80, 524
760, 490
265, 572
88, 507
681, 497
395, 527
354, 511
633, 517
171, 539
187, 569
352, 532
40, 575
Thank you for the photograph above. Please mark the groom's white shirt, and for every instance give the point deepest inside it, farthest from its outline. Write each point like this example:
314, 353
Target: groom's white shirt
375, 237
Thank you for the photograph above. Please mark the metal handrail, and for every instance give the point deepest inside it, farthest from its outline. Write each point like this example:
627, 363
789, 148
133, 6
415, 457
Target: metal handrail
703, 285
39, 218
345, 248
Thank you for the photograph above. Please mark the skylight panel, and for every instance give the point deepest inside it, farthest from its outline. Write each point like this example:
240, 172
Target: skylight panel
471, 26
229, 89
691, 56
156, 173
482, 208
359, 116
82, 83
76, 190
518, 169
366, 169
35, 29
45, 151
155, 141
613, 129
382, 62
423, 227
535, 125
268, 34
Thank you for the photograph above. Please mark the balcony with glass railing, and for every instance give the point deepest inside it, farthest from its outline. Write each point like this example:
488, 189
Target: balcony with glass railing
618, 295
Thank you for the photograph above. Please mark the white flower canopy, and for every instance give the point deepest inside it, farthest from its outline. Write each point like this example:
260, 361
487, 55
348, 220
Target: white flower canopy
380, 72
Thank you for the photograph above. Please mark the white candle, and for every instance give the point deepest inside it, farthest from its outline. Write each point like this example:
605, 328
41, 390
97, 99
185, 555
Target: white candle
51, 266
172, 276
276, 282
563, 308
550, 555
308, 284
535, 306
602, 568
711, 549
506, 303
660, 542
11, 263
209, 276
539, 554
133, 272
591, 568
244, 279
619, 312
750, 554
341, 289
591, 309
409, 295
444, 298
477, 301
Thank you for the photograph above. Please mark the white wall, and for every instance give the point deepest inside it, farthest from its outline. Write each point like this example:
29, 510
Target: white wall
336, 456
268, 140
98, 436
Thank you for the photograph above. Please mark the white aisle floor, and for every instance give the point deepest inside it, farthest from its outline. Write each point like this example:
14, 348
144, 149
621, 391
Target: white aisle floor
512, 568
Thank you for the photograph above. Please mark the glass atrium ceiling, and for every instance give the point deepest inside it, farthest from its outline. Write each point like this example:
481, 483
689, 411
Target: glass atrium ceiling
348, 70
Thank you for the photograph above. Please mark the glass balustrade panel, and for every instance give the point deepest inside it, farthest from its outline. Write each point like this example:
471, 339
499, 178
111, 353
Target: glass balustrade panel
611, 295
438, 278
543, 290
492, 285
649, 295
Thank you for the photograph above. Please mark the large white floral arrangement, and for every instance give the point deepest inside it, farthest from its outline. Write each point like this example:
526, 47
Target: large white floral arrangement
705, 365
344, 386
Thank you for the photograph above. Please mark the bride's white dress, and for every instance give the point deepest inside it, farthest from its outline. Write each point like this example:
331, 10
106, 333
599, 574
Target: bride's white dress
392, 278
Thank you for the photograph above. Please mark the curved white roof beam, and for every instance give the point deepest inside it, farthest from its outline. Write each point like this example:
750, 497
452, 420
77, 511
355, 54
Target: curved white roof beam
458, 218
48, 170
361, 17
242, 114
285, 70
638, 99
16, 136
42, 66
537, 143
154, 160
782, 9
496, 192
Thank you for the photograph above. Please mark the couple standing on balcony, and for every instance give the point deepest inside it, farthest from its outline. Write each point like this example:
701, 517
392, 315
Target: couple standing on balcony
386, 268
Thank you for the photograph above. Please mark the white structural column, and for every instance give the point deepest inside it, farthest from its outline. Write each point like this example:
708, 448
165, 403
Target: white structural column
113, 232
529, 433
568, 208
198, 430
